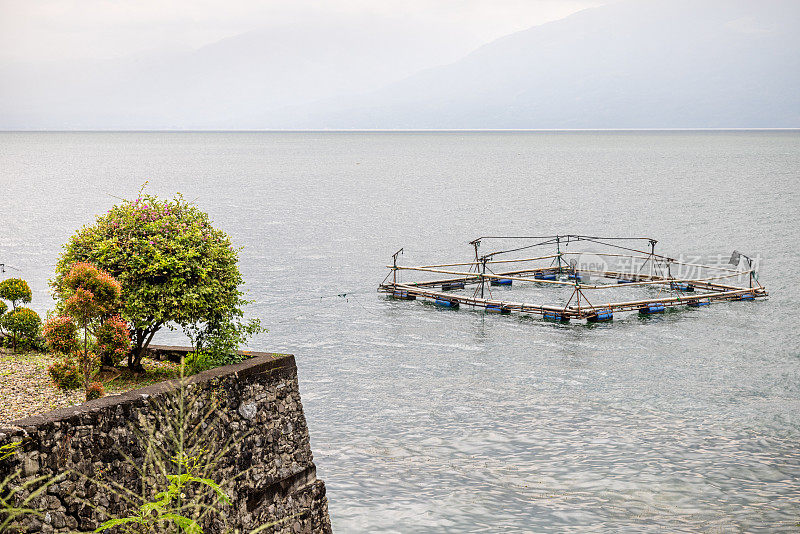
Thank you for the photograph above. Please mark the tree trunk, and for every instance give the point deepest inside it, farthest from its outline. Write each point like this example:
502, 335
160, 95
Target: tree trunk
86, 363
143, 339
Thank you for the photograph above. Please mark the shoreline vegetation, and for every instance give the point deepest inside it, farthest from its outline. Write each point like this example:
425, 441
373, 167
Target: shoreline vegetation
145, 265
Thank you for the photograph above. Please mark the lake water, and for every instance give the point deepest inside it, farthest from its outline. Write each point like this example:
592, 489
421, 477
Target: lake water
425, 420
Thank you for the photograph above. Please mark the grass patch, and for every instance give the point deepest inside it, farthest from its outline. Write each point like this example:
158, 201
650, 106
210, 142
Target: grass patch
155, 372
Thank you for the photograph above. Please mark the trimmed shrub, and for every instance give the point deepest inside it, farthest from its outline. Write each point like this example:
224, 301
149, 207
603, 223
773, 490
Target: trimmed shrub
61, 334
113, 340
95, 391
23, 324
66, 373
15, 290
199, 361
88, 296
92, 292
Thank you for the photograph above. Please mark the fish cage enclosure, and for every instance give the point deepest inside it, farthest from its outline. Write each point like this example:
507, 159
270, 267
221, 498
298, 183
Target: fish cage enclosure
576, 277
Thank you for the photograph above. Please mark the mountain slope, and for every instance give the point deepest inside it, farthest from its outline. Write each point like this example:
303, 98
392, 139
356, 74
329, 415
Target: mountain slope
224, 84
636, 64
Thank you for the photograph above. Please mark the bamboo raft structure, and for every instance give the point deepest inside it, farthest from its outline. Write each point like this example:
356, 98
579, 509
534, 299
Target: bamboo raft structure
717, 283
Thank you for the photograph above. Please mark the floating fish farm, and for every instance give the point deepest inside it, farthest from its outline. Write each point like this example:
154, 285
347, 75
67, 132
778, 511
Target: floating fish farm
577, 277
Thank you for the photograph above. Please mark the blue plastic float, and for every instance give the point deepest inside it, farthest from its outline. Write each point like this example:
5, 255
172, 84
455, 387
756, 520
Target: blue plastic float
446, 303
448, 286
678, 286
650, 309
555, 316
601, 316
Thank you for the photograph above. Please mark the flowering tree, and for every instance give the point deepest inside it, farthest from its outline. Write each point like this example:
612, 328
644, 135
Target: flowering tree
174, 267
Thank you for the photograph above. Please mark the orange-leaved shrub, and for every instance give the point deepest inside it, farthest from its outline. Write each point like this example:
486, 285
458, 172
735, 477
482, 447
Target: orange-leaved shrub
113, 340
95, 391
89, 296
61, 334
66, 373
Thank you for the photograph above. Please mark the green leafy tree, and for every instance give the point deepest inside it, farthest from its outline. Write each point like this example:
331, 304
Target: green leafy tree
175, 268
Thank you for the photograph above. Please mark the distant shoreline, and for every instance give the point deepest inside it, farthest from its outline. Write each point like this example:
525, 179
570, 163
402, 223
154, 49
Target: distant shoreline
430, 130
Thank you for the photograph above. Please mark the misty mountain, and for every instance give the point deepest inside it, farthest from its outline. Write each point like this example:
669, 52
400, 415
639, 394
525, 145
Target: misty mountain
635, 64
632, 64
224, 84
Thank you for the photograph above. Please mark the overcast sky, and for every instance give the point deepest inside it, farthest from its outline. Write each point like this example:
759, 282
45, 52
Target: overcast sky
44, 30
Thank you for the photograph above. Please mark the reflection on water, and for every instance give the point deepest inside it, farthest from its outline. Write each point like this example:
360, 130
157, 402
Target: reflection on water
430, 420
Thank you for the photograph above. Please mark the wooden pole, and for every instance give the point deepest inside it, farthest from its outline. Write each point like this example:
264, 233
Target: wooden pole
490, 262
559, 282
394, 265
483, 276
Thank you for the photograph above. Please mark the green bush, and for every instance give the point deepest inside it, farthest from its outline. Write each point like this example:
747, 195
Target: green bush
66, 373
217, 342
37, 344
3, 308
23, 325
199, 361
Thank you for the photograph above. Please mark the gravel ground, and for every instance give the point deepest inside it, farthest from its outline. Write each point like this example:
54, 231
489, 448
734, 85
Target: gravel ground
26, 388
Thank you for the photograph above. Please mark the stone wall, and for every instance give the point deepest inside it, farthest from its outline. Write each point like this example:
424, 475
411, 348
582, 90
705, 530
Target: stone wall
245, 421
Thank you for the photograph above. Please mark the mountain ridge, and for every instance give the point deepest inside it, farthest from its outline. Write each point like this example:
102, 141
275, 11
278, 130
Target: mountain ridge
635, 64
714, 76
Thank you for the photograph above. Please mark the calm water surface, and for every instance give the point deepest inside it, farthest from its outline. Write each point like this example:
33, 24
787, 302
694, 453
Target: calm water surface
425, 420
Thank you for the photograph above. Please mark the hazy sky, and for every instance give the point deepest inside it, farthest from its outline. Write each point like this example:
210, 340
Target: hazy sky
43, 30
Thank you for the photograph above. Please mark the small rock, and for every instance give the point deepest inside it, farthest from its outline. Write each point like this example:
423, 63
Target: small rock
248, 411
30, 466
52, 502
59, 520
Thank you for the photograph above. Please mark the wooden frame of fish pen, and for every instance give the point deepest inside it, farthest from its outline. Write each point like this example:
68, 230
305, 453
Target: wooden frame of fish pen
556, 269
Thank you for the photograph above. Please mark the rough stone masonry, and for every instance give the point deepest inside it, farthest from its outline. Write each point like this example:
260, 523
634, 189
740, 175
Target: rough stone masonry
105, 457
